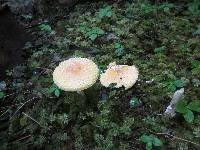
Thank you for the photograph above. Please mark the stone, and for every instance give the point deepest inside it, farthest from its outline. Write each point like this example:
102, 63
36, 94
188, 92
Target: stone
171, 109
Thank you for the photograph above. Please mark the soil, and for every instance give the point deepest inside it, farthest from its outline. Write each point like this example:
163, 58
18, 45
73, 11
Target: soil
12, 40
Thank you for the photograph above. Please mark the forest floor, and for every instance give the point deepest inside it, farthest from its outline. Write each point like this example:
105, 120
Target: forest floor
12, 40
161, 38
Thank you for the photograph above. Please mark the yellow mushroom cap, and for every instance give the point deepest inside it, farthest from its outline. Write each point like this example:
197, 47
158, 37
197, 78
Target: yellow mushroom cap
75, 74
122, 75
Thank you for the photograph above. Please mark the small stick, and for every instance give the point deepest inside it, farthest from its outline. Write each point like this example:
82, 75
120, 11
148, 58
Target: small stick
33, 120
23, 138
4, 113
21, 107
15, 93
10, 95
175, 137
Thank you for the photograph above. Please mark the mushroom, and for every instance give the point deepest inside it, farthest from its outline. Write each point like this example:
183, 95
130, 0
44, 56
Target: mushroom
121, 75
75, 74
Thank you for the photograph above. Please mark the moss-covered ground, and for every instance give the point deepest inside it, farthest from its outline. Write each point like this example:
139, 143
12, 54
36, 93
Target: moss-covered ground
161, 38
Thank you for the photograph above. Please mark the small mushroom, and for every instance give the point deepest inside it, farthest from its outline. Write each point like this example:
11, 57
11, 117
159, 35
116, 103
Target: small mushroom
75, 74
121, 75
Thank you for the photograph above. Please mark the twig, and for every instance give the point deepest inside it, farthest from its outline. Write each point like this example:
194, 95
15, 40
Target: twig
15, 93
21, 107
45, 71
10, 95
5, 107
23, 138
34, 120
36, 24
4, 113
175, 137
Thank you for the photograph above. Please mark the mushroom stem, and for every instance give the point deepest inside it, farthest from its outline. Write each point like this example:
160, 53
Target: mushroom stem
82, 102
81, 93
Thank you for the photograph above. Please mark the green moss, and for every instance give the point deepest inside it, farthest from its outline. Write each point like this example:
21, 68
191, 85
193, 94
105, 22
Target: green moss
159, 38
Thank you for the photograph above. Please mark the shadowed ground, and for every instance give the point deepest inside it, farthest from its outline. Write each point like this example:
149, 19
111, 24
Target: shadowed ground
12, 40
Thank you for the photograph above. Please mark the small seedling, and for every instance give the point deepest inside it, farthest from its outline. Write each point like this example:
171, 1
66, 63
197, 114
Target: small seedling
160, 49
45, 27
198, 30
118, 49
54, 89
94, 33
150, 141
2, 94
195, 67
166, 7
193, 7
91, 33
9, 72
134, 102
187, 109
105, 12
176, 84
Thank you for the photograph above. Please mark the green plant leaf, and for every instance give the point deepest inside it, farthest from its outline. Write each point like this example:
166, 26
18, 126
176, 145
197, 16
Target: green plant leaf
193, 7
189, 116
118, 49
150, 140
147, 8
93, 33
157, 142
160, 49
45, 27
84, 28
195, 67
195, 64
149, 146
146, 139
117, 45
198, 30
194, 106
166, 6
179, 83
98, 31
52, 89
93, 36
182, 107
105, 12
134, 102
23, 121
2, 94
171, 87
57, 92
